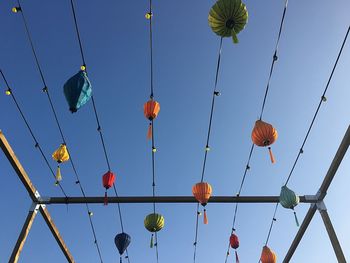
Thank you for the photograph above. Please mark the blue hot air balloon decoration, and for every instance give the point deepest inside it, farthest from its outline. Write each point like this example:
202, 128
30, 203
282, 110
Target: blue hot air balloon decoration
77, 90
122, 242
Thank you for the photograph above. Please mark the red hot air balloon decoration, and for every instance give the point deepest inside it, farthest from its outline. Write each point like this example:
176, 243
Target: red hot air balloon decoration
202, 192
108, 181
264, 134
234, 243
151, 109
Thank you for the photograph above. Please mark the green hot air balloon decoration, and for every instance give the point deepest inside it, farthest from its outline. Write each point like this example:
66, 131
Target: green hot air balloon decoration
153, 223
289, 200
227, 18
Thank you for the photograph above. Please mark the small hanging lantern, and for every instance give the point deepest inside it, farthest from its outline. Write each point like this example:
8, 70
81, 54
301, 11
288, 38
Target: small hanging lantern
61, 155
108, 181
268, 256
77, 91
227, 18
264, 134
234, 243
122, 241
289, 200
202, 192
153, 223
151, 109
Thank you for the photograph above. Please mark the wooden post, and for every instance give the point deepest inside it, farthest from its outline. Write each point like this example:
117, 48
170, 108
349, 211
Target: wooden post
332, 235
24, 233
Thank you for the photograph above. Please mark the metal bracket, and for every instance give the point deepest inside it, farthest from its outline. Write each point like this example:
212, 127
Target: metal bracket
320, 196
321, 206
34, 207
37, 195
311, 198
44, 199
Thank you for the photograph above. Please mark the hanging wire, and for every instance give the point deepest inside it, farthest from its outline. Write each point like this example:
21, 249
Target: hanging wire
46, 90
247, 167
36, 145
207, 148
274, 59
149, 16
99, 128
323, 99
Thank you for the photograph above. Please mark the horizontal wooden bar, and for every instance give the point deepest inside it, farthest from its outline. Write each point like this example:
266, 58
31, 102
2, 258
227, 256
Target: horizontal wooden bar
166, 199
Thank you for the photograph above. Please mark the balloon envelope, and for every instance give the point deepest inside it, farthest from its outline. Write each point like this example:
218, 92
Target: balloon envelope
122, 242
77, 91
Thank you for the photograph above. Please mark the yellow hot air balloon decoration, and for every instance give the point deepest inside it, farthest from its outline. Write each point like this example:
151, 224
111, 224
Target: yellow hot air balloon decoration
61, 155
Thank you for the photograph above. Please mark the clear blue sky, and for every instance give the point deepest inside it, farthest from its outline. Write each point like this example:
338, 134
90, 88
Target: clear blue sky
115, 39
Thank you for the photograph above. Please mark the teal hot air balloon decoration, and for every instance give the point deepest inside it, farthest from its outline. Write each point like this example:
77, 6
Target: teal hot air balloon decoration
122, 241
153, 223
227, 18
289, 200
77, 91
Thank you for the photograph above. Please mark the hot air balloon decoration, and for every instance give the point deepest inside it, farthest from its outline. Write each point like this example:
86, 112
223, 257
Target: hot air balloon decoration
289, 200
151, 109
268, 256
202, 192
107, 181
264, 134
234, 243
153, 223
227, 18
122, 241
61, 155
77, 90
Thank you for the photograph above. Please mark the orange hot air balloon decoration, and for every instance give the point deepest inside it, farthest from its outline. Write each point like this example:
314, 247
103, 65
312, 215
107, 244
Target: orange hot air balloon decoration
268, 256
108, 181
61, 155
264, 134
202, 192
234, 243
151, 109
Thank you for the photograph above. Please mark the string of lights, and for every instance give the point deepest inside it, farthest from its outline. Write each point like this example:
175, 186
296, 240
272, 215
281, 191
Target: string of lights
207, 147
149, 17
19, 9
323, 99
10, 92
248, 165
99, 128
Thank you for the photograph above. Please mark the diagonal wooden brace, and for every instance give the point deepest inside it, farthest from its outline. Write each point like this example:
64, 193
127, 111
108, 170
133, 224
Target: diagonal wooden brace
35, 196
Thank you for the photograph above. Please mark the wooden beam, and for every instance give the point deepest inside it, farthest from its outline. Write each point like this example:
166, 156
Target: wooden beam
338, 158
332, 236
167, 199
34, 195
23, 235
49, 221
306, 222
22, 175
